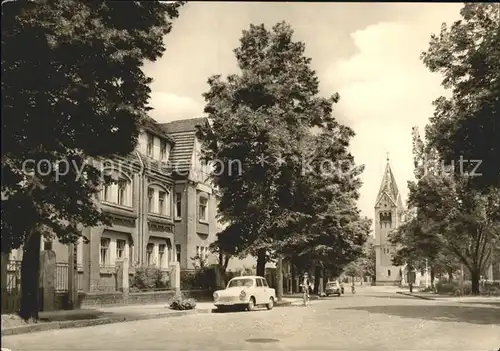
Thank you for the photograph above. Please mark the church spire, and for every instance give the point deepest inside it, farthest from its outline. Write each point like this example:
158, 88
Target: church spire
388, 185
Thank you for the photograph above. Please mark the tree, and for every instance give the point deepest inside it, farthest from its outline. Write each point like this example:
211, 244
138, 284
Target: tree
222, 250
78, 93
466, 222
332, 233
369, 262
449, 220
260, 118
465, 125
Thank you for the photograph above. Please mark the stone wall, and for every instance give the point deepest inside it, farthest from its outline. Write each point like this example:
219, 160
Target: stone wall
96, 300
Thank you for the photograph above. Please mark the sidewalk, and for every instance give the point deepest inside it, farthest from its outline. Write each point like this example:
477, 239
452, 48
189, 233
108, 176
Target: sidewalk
464, 299
50, 320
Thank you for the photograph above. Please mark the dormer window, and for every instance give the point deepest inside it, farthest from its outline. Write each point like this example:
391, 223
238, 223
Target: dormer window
163, 150
149, 147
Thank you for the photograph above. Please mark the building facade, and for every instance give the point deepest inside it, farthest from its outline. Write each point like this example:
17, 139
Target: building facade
388, 215
161, 204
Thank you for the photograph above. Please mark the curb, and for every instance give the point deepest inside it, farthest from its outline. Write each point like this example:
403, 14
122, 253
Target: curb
83, 323
415, 296
33, 328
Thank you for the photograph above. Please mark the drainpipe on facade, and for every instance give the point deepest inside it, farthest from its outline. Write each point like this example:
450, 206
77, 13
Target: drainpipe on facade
140, 218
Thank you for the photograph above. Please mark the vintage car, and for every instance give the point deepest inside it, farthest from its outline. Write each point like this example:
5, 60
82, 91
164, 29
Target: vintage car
332, 288
245, 292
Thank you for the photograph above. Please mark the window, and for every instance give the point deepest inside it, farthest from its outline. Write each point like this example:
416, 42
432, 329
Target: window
149, 254
259, 282
47, 245
161, 202
203, 208
104, 258
205, 252
161, 254
151, 194
198, 251
178, 205
163, 150
264, 283
178, 252
106, 193
149, 150
388, 272
120, 249
122, 192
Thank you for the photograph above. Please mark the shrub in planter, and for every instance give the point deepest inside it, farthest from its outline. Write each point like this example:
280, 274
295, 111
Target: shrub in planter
180, 303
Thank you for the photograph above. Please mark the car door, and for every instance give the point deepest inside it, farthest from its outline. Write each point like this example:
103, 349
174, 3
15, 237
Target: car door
259, 291
267, 290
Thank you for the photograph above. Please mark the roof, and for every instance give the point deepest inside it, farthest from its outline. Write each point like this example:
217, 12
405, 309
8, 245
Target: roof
183, 125
154, 127
184, 134
246, 277
388, 185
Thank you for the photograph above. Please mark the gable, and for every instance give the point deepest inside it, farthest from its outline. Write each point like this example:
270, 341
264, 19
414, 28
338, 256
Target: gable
385, 200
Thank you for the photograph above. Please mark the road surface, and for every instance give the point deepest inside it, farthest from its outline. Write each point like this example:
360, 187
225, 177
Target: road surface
369, 320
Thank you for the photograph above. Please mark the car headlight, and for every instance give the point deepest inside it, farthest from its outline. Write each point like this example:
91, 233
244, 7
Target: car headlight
243, 294
216, 296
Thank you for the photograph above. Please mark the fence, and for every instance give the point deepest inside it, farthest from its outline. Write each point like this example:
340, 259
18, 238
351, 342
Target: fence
11, 296
13, 276
62, 274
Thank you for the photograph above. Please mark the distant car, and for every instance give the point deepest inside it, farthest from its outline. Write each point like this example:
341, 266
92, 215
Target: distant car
332, 288
245, 292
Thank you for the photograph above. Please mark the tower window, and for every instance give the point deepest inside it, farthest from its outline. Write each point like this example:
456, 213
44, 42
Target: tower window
388, 272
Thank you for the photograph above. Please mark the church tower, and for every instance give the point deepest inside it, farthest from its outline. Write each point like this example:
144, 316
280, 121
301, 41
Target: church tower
388, 216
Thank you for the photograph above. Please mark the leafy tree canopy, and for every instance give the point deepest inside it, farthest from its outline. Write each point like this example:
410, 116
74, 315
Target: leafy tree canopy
465, 124
261, 121
72, 88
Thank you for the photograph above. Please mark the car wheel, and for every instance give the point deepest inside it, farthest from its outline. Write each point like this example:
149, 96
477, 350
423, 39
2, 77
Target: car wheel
270, 304
251, 304
327, 295
339, 294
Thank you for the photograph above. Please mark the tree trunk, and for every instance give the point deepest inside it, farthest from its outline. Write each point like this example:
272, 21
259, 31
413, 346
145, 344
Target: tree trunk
279, 278
30, 277
450, 274
261, 263
475, 275
324, 279
294, 274
317, 276
433, 275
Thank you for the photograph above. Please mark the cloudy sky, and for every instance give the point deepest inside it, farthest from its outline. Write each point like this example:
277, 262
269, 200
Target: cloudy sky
368, 53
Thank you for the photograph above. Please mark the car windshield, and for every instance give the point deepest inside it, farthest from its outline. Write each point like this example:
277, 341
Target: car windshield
331, 284
241, 282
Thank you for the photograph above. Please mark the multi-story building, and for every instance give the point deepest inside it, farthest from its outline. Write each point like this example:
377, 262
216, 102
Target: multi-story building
195, 199
161, 205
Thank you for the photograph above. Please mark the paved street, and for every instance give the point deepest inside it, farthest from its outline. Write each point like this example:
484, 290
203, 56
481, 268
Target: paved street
370, 320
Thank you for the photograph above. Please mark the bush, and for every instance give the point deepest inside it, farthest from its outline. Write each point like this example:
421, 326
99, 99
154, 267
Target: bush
490, 289
180, 303
455, 289
443, 287
149, 278
204, 278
